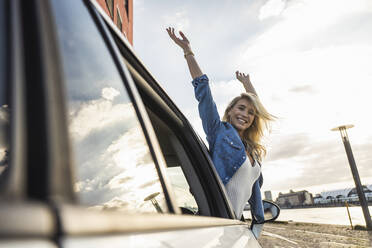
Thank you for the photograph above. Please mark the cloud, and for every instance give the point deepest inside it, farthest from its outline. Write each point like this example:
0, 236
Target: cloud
289, 147
98, 114
118, 171
303, 89
113, 162
314, 163
178, 20
309, 61
271, 9
109, 93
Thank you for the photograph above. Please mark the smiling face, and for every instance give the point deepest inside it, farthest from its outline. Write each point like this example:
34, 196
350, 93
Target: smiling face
242, 115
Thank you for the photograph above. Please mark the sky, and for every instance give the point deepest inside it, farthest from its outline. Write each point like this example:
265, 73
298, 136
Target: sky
309, 60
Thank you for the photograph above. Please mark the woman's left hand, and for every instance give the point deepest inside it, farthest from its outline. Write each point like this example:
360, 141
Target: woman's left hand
246, 81
242, 77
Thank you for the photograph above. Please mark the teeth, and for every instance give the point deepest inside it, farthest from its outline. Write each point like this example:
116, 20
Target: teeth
241, 120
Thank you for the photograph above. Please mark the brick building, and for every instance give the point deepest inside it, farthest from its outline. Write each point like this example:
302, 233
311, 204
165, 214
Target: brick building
293, 199
121, 12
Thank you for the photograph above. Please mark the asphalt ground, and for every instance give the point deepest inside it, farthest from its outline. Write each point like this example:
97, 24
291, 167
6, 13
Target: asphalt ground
293, 234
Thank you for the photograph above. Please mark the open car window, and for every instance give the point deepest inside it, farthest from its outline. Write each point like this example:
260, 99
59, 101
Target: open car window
190, 196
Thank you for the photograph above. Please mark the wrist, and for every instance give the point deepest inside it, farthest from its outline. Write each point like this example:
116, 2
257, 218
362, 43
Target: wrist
188, 53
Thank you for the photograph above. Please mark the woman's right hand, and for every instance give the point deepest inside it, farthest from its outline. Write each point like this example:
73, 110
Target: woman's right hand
183, 43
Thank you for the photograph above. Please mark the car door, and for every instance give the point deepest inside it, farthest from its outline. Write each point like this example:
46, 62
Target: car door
85, 165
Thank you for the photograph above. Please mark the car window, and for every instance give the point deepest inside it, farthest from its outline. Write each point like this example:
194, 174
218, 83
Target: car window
114, 168
4, 107
188, 191
182, 190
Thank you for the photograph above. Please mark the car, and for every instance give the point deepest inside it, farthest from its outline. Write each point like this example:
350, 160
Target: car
93, 152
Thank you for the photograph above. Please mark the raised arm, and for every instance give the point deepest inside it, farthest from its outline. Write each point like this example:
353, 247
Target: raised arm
184, 43
207, 107
246, 81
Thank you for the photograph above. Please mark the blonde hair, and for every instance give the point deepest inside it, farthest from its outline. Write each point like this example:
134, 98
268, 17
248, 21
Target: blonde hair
252, 135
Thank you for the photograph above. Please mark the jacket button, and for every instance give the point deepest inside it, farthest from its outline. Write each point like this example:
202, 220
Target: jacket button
243, 157
226, 178
231, 143
235, 167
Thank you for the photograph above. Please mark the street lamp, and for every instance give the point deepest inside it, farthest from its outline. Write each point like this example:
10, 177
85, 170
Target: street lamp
154, 202
354, 171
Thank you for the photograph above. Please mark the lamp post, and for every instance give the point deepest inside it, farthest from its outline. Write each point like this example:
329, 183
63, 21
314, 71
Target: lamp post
154, 202
354, 171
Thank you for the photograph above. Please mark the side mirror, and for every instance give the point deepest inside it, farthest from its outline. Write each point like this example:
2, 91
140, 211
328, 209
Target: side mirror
271, 210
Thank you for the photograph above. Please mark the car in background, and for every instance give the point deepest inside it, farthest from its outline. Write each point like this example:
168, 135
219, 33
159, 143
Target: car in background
93, 153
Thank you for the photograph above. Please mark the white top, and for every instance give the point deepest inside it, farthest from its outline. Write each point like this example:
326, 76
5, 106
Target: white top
239, 188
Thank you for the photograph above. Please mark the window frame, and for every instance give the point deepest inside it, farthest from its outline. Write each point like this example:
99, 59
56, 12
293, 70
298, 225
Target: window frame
13, 186
110, 8
118, 19
29, 212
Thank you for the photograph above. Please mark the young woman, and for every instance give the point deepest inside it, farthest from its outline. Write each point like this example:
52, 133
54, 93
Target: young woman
234, 142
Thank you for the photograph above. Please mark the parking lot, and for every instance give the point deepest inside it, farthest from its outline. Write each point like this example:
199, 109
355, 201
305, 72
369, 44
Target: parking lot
292, 234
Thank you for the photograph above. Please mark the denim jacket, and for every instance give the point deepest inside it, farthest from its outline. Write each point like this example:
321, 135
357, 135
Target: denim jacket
226, 148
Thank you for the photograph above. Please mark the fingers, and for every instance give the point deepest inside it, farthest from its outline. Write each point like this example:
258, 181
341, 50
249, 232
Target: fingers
182, 42
238, 75
171, 33
241, 75
183, 36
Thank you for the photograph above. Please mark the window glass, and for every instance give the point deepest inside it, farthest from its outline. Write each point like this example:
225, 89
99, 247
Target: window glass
184, 197
120, 26
179, 168
113, 164
4, 137
126, 8
110, 6
4, 110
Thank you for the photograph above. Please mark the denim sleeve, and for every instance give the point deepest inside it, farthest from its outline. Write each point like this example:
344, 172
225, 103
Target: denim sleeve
256, 203
207, 107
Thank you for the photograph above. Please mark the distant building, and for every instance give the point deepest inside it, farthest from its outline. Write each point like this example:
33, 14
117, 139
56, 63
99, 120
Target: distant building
318, 199
268, 195
344, 193
121, 13
369, 186
293, 199
347, 194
